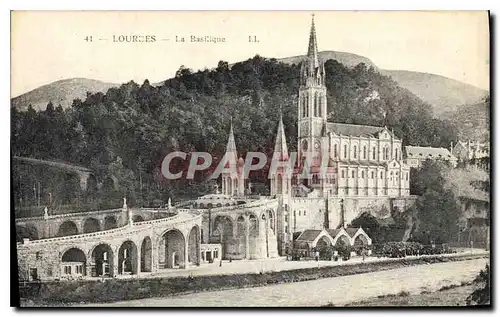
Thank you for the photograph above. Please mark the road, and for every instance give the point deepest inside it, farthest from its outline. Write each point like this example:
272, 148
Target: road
337, 290
268, 265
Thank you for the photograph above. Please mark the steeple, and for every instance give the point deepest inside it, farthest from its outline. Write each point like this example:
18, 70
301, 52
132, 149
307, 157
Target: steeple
231, 145
280, 147
312, 52
312, 70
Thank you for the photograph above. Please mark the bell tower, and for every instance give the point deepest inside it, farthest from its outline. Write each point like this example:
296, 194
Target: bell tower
312, 101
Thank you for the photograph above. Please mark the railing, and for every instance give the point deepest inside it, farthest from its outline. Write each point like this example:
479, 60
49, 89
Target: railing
257, 203
78, 236
77, 214
111, 231
156, 221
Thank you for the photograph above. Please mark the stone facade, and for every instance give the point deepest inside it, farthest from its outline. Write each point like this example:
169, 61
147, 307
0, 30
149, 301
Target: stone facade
130, 249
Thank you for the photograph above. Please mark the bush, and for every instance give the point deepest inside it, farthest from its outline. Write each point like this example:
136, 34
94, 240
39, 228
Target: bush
399, 249
481, 295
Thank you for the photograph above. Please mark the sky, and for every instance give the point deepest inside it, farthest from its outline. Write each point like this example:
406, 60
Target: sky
48, 46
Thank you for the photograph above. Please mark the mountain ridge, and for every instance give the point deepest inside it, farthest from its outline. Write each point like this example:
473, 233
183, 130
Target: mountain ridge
61, 92
442, 93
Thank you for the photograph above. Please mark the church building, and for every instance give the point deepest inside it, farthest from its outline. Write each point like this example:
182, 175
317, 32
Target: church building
340, 159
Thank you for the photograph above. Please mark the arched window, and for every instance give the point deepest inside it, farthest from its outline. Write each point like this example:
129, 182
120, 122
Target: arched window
343, 174
374, 153
406, 175
362, 174
372, 174
396, 154
364, 152
335, 150
355, 151
352, 174
345, 150
381, 175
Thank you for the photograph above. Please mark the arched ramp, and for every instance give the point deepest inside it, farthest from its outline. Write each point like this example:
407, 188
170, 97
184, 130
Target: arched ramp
67, 228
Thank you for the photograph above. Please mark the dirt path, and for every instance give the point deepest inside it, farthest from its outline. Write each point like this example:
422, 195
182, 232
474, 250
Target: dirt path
337, 291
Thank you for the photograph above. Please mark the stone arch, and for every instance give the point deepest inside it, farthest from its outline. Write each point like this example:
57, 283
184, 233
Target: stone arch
253, 224
70, 188
240, 225
137, 218
102, 256
127, 258
74, 261
341, 238
92, 184
110, 183
241, 231
219, 205
361, 238
91, 225
223, 230
110, 223
171, 249
323, 238
272, 220
146, 255
194, 245
67, 228
201, 206
209, 205
324, 246
26, 232
223, 225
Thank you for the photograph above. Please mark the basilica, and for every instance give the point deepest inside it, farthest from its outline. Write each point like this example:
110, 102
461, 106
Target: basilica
340, 170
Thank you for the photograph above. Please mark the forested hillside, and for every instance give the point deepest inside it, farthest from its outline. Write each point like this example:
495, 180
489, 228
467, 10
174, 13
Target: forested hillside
128, 130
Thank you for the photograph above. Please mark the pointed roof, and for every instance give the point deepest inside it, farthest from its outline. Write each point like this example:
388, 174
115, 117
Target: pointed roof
280, 144
312, 51
231, 146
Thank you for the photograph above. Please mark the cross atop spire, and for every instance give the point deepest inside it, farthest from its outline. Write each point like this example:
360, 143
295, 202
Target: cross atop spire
312, 52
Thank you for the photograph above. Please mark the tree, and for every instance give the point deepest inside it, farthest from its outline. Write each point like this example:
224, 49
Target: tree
438, 210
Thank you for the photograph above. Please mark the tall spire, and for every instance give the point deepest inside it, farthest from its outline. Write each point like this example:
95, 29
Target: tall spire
280, 147
312, 52
231, 145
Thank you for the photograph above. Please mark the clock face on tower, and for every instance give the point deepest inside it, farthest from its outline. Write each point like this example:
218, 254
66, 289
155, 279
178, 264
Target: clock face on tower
304, 145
